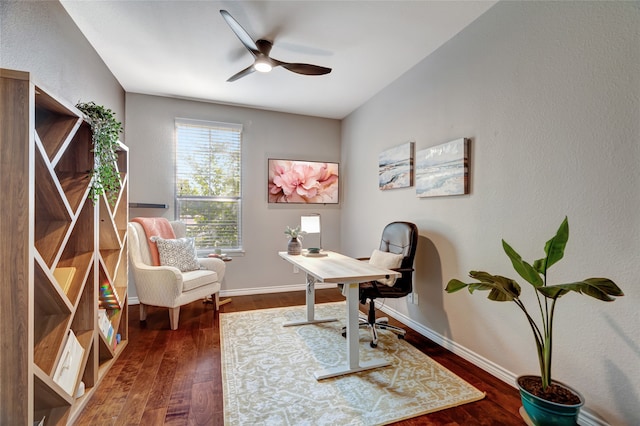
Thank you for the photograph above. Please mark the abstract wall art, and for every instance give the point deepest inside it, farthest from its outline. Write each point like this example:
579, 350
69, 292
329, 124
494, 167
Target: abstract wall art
395, 167
443, 169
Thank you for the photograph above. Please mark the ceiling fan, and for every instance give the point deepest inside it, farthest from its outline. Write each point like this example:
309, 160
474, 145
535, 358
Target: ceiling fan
260, 50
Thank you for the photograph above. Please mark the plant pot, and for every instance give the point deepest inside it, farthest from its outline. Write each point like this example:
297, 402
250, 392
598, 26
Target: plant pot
547, 413
294, 247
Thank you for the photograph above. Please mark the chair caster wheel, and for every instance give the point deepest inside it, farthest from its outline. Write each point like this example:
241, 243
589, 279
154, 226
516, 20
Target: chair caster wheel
344, 334
373, 345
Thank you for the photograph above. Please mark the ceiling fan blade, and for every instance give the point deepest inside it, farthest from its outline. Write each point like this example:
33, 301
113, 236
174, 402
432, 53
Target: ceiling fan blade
306, 69
250, 69
242, 34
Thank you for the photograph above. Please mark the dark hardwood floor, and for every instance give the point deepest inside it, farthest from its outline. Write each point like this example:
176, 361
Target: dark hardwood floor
173, 377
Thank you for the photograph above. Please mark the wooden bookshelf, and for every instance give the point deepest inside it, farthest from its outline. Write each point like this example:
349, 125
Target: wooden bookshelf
62, 256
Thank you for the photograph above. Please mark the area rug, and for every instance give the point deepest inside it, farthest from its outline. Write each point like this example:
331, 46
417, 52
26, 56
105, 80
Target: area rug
267, 373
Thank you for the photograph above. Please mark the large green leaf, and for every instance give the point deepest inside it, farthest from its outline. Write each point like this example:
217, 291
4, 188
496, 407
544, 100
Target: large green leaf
552, 292
499, 294
480, 286
606, 285
502, 288
455, 285
599, 288
554, 248
524, 269
483, 276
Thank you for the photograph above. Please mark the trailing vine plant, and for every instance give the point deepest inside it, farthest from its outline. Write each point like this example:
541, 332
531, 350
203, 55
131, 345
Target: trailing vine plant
106, 130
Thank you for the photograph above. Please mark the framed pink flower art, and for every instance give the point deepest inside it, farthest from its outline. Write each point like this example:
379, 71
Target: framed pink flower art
303, 182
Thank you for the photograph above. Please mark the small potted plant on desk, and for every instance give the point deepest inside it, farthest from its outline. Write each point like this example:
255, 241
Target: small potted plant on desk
295, 236
545, 401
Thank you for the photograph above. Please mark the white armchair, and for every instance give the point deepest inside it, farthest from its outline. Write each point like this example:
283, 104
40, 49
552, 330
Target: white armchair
167, 286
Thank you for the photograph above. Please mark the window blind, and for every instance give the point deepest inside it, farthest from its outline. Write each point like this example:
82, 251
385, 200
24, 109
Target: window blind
208, 182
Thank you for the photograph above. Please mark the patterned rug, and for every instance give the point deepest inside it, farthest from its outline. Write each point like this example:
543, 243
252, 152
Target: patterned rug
267, 373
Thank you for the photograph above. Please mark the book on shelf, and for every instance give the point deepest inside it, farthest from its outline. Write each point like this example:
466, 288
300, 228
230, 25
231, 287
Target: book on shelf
64, 276
69, 364
109, 334
105, 325
103, 321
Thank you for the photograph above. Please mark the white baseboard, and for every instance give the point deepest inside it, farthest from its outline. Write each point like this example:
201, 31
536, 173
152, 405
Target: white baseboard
477, 360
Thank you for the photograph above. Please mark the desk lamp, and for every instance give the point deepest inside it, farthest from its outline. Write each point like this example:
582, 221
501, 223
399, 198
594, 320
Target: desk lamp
310, 223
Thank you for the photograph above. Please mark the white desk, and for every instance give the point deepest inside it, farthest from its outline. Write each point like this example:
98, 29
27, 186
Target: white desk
339, 269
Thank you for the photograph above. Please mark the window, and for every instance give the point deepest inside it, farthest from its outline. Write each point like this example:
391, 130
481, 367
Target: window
208, 182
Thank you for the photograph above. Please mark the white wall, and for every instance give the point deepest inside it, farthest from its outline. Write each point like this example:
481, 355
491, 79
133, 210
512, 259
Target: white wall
266, 135
41, 38
549, 93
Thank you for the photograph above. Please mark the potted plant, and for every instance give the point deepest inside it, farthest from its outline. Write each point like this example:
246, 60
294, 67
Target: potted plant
560, 404
105, 132
295, 236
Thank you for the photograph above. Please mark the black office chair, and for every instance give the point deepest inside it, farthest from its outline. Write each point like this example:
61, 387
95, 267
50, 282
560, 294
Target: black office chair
398, 238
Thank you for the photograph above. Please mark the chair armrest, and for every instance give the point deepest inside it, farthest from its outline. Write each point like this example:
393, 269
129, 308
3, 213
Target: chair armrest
213, 264
157, 285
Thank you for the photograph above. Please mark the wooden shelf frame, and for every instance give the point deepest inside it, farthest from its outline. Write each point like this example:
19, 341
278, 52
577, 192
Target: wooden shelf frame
51, 224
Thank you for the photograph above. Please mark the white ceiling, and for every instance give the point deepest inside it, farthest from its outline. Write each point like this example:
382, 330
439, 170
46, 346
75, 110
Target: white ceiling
185, 49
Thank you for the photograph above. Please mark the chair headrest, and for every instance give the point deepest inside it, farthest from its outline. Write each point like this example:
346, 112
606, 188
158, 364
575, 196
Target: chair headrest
400, 238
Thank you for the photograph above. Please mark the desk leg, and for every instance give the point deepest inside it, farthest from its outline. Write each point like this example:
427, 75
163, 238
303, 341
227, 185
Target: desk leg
353, 342
353, 331
311, 301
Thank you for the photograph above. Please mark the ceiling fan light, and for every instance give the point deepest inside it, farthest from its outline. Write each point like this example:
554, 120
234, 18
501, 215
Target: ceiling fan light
262, 65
